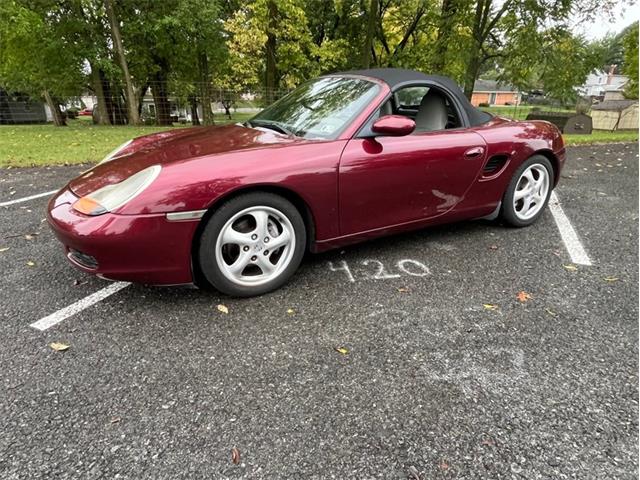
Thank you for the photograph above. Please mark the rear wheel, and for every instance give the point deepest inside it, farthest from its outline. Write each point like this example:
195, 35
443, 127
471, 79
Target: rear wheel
528, 192
252, 244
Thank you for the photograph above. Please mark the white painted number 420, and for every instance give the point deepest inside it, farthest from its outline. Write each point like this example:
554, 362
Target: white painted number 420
380, 272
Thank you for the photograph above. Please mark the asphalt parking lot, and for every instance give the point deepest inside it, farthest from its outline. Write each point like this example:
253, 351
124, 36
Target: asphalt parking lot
466, 351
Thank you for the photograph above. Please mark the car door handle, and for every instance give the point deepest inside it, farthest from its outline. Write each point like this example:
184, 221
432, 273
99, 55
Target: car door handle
474, 152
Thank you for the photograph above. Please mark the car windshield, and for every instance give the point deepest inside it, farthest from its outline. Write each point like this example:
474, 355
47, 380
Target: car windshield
320, 108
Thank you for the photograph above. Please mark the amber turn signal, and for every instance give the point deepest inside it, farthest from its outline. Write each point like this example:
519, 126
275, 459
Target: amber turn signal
88, 206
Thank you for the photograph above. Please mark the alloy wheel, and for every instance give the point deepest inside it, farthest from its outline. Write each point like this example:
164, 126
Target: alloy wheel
255, 246
531, 191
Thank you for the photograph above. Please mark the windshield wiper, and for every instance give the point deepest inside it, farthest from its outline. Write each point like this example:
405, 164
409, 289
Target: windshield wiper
278, 127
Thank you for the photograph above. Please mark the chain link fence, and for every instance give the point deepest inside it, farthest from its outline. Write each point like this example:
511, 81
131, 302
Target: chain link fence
179, 103
156, 104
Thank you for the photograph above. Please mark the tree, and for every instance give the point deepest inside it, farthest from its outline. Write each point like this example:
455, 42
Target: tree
132, 104
372, 22
270, 44
197, 51
36, 57
630, 45
494, 30
567, 62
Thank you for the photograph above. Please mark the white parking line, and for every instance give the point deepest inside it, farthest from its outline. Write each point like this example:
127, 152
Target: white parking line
56, 317
569, 236
26, 199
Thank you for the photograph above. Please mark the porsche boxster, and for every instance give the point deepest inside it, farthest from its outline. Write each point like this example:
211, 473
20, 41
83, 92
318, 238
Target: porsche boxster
344, 158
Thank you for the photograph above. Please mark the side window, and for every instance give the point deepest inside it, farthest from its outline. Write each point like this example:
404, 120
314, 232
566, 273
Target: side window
431, 108
409, 98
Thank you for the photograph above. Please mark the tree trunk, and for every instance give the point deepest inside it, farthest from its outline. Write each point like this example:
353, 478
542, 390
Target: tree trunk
271, 80
132, 107
143, 92
445, 24
474, 61
227, 108
205, 89
101, 116
112, 102
471, 73
371, 30
56, 113
194, 110
161, 100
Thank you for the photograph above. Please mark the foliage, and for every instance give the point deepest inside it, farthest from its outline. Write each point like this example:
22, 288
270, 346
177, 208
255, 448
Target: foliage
630, 44
249, 28
190, 49
37, 51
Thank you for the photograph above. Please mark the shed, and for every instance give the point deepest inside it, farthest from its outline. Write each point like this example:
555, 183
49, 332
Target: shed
615, 115
16, 108
567, 122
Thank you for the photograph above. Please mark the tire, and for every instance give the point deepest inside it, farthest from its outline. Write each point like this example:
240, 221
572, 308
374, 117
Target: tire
535, 176
252, 244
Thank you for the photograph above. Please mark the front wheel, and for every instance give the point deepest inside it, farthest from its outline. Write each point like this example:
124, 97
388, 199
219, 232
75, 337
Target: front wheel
252, 244
528, 192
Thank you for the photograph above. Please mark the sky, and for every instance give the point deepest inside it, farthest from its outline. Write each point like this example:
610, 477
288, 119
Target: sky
624, 13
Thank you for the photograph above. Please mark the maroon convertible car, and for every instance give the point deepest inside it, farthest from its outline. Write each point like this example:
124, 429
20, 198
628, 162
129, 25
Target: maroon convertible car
343, 158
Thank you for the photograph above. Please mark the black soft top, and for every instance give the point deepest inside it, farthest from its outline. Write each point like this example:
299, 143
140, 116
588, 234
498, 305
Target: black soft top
401, 77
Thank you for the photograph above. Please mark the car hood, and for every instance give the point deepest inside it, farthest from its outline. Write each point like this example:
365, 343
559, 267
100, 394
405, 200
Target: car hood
175, 146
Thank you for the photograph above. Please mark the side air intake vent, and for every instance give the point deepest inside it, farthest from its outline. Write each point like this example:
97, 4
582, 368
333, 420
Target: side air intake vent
494, 165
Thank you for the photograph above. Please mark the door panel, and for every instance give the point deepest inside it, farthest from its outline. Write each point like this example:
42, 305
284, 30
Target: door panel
391, 180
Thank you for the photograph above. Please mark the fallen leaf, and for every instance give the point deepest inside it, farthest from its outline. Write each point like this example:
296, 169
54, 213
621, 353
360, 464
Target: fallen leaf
571, 268
550, 312
290, 311
30, 263
223, 308
413, 471
4, 249
493, 247
235, 455
611, 279
403, 289
342, 350
489, 306
523, 296
444, 465
59, 347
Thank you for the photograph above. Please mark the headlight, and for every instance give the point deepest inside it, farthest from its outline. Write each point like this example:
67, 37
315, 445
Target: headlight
114, 153
110, 197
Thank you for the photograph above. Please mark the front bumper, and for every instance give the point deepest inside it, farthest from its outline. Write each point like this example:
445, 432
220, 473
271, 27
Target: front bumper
136, 248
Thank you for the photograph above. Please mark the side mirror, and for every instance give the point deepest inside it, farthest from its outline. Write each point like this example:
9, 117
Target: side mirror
393, 126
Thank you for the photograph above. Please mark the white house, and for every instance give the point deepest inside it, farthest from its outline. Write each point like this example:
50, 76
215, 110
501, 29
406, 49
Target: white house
600, 82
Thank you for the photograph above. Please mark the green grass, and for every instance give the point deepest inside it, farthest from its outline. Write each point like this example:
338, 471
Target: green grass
600, 136
83, 142
79, 142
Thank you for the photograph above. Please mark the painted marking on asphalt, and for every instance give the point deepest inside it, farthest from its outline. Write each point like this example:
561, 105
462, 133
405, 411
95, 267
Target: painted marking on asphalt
406, 266
57, 317
569, 236
26, 199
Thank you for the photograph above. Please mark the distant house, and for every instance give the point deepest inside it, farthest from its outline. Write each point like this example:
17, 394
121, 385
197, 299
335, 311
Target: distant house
615, 115
599, 83
493, 93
